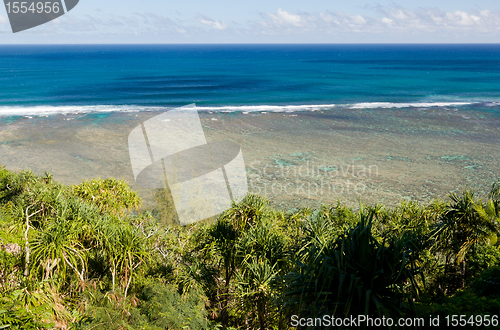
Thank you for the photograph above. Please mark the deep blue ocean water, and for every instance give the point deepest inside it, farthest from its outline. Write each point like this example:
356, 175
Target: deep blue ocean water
67, 78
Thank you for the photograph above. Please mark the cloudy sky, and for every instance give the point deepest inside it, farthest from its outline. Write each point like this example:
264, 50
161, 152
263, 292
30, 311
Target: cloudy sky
267, 21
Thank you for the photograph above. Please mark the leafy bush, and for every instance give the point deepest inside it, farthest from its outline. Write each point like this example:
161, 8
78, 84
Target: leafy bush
110, 195
466, 303
14, 314
106, 312
167, 309
488, 283
83, 260
484, 256
16, 317
353, 274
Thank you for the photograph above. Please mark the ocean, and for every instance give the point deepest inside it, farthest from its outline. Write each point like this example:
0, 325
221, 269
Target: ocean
426, 117
246, 77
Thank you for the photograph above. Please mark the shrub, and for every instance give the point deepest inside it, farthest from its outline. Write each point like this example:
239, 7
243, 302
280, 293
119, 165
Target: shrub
352, 275
488, 283
110, 195
167, 309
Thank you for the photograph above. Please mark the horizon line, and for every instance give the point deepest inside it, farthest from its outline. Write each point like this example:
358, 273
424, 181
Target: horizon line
253, 43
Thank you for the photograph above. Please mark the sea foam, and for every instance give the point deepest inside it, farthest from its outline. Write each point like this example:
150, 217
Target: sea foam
40, 111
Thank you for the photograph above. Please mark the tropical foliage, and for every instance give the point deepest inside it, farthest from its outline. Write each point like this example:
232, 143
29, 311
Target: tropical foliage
89, 256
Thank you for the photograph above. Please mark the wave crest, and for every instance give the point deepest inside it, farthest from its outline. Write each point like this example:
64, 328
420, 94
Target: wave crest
73, 109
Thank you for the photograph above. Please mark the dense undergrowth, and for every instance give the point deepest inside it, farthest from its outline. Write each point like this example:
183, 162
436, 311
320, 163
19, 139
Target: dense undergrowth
84, 257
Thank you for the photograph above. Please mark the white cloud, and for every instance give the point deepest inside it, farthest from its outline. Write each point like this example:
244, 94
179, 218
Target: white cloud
387, 21
460, 18
485, 13
283, 17
397, 13
347, 20
384, 24
358, 19
214, 24
284, 21
326, 17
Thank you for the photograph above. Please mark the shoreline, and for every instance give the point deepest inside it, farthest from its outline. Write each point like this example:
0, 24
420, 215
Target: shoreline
418, 155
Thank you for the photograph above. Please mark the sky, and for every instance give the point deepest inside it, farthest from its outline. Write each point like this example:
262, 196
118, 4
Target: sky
266, 21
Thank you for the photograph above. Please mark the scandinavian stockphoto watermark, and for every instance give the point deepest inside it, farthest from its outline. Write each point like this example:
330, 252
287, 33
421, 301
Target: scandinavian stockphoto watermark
25, 15
170, 151
310, 180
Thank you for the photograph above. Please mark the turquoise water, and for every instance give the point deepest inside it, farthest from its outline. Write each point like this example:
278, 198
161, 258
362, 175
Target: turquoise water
427, 117
68, 78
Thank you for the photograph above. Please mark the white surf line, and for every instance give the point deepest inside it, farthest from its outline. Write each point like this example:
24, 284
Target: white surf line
386, 105
38, 111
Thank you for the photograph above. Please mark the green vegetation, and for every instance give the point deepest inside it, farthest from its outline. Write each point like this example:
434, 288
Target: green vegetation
87, 257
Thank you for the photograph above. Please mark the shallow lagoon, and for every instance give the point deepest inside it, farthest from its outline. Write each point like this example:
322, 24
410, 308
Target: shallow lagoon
296, 159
